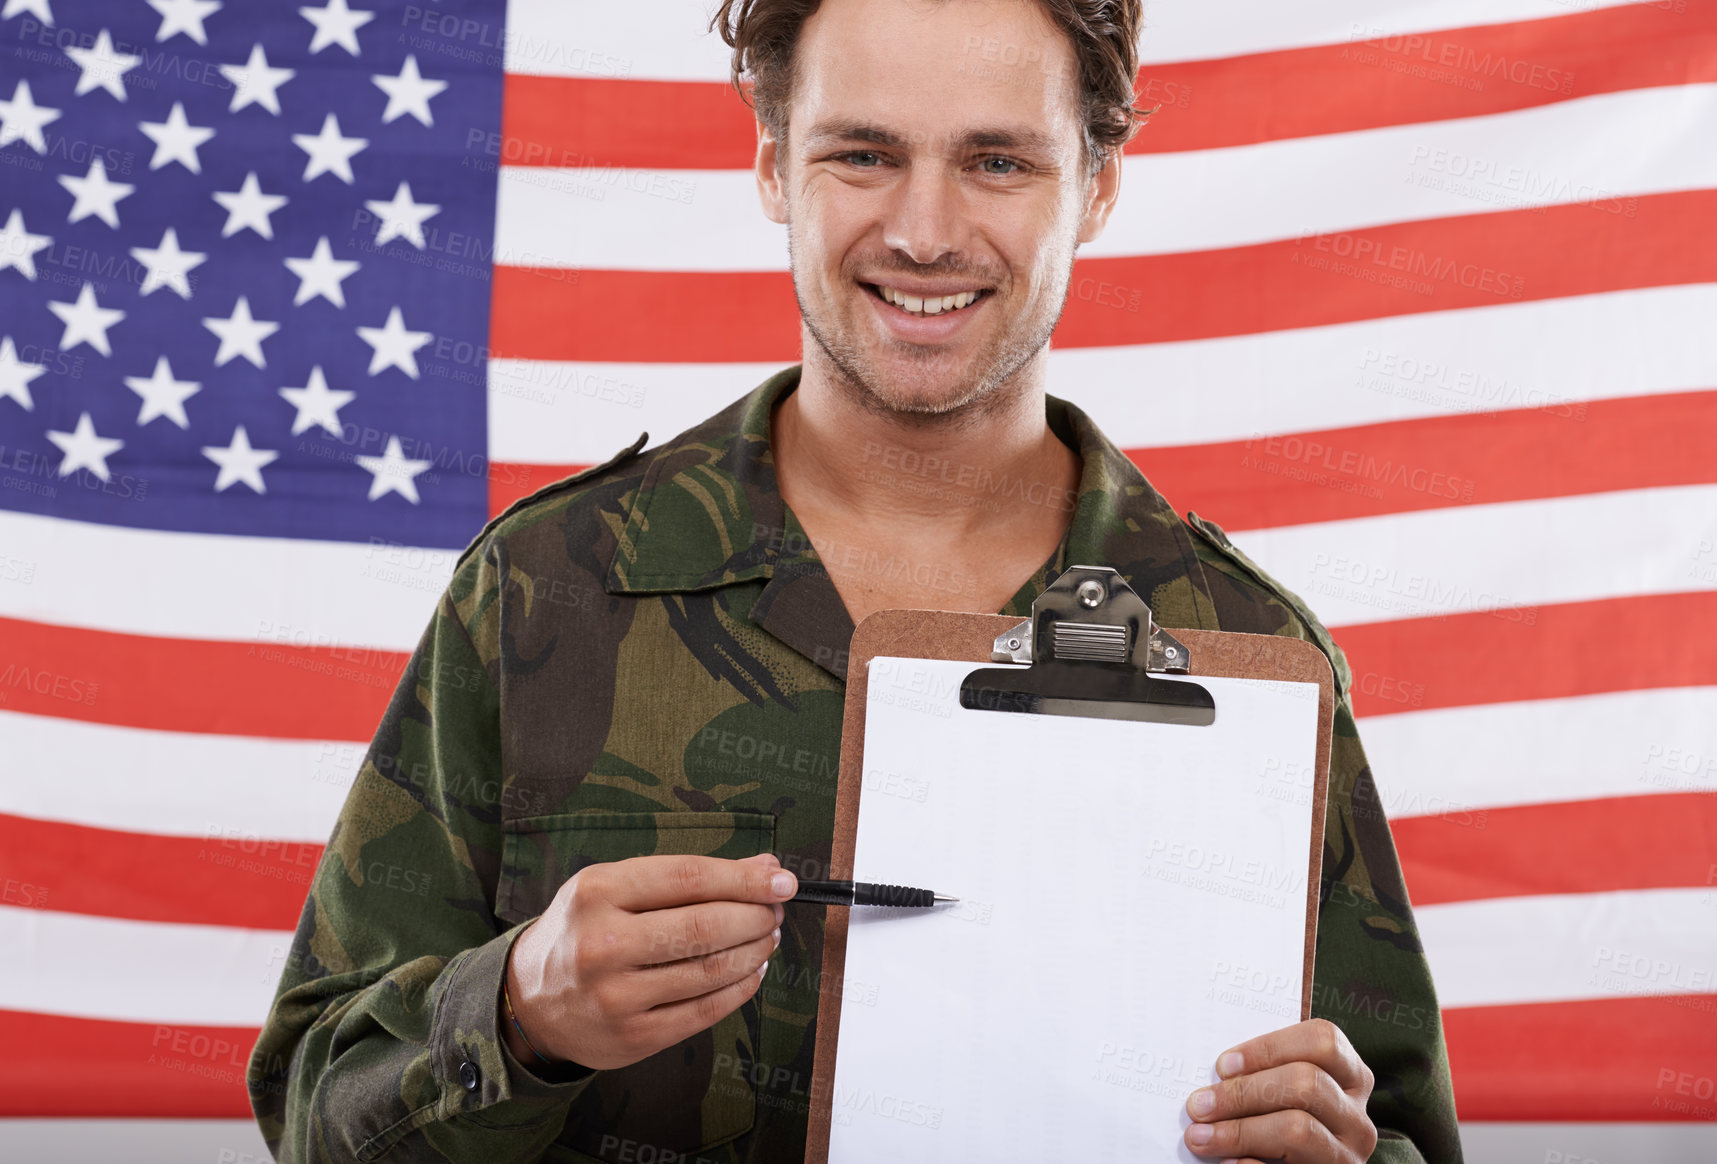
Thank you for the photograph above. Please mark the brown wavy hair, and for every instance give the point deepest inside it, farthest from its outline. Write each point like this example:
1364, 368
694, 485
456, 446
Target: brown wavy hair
1105, 36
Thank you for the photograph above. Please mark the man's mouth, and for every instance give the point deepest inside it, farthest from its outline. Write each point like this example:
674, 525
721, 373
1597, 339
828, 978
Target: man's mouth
926, 305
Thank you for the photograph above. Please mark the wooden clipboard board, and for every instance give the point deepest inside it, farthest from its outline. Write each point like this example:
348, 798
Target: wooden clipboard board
950, 635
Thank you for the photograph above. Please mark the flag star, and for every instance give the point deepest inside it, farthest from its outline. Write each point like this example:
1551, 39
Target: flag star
176, 140
15, 375
168, 265
38, 8
249, 207
18, 246
336, 24
394, 346
21, 119
408, 93
393, 472
94, 194
402, 218
240, 462
329, 152
184, 16
86, 321
83, 449
321, 274
254, 83
317, 403
241, 335
163, 395
102, 67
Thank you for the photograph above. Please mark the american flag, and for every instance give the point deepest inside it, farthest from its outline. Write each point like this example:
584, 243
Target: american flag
1418, 301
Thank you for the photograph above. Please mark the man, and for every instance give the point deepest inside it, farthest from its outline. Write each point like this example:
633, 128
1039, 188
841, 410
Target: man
615, 746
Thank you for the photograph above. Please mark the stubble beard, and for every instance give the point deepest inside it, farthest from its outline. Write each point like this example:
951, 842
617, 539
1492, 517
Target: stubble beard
991, 387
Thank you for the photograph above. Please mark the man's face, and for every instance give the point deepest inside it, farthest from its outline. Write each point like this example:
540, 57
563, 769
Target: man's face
934, 153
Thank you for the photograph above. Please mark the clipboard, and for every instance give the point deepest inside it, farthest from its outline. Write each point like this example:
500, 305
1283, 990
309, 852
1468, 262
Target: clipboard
1093, 648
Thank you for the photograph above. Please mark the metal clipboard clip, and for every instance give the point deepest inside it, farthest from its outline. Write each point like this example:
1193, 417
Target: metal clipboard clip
1093, 649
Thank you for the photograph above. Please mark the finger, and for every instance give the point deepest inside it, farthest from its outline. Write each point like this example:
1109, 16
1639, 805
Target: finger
692, 931
1293, 1085
1316, 1041
691, 977
669, 1024
1292, 1136
649, 883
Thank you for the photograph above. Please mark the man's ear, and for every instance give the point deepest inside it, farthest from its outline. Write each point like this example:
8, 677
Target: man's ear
770, 189
1100, 200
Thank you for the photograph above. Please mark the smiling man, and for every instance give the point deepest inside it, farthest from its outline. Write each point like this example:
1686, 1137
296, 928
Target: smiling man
616, 745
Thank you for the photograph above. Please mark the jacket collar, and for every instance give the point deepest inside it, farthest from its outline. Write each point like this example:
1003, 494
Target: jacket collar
708, 513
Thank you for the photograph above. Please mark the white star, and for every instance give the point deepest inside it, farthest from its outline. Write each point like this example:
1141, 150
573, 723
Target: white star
240, 334
21, 119
15, 375
18, 246
176, 140
254, 83
317, 403
408, 92
102, 67
86, 321
94, 194
249, 207
168, 265
394, 347
402, 218
240, 462
83, 449
336, 24
329, 152
321, 274
184, 16
38, 7
393, 472
163, 395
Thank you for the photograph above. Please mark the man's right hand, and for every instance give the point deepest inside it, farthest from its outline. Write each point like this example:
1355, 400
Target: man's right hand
634, 956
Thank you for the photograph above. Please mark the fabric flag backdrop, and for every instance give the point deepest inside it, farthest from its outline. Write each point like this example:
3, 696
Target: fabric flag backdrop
1418, 300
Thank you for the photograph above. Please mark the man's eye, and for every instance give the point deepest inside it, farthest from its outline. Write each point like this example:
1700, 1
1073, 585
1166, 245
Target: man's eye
863, 159
1000, 167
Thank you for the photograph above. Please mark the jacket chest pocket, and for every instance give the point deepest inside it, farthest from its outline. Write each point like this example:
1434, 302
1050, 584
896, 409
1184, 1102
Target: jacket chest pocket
693, 1095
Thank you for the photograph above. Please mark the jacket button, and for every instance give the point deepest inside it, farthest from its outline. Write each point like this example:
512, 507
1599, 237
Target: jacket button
468, 1075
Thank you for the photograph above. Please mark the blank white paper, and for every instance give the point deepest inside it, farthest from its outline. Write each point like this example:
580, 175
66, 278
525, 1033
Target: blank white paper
1132, 905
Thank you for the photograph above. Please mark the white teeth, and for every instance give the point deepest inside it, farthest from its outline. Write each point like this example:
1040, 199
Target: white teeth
919, 305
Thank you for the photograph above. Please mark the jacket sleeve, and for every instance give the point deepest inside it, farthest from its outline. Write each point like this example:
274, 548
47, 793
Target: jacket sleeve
383, 1039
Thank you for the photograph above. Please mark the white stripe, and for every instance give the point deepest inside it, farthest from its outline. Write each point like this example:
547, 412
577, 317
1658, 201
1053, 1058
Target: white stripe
174, 783
141, 972
1509, 558
1562, 947
1589, 747
1599, 151
667, 41
219, 586
1551, 354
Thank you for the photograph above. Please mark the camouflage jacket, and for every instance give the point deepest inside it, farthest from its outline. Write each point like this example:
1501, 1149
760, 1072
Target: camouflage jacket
649, 657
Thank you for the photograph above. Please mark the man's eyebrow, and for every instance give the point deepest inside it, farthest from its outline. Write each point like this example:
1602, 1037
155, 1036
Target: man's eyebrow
1018, 139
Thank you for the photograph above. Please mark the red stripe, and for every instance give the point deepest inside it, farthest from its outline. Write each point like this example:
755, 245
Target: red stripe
1435, 462
70, 1067
1537, 652
196, 685
1339, 88
1646, 1059
1465, 261
223, 879
1582, 846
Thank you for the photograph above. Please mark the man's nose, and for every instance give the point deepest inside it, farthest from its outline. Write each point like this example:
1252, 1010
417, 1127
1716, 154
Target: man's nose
923, 220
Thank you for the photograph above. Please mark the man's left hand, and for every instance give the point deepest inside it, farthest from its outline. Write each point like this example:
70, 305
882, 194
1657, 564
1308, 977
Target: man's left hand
1296, 1095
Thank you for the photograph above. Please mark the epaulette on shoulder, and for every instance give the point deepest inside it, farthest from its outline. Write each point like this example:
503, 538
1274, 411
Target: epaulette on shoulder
1213, 534
549, 490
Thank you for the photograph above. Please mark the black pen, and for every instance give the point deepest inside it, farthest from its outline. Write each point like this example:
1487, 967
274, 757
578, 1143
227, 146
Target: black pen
865, 893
